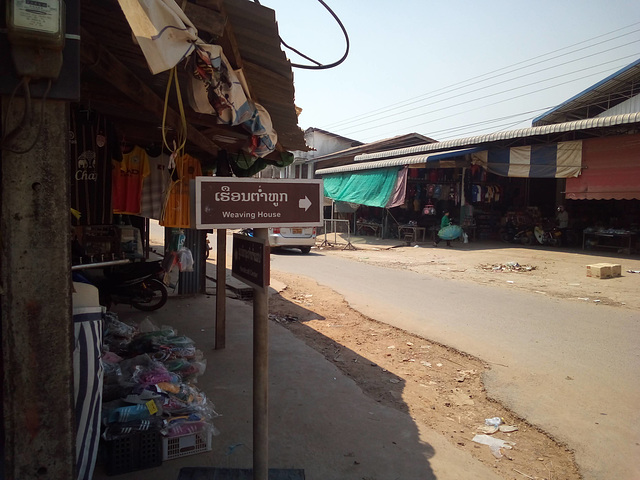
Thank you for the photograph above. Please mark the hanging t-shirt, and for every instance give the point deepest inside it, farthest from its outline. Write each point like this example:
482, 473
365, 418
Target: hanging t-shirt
155, 187
92, 145
177, 213
128, 176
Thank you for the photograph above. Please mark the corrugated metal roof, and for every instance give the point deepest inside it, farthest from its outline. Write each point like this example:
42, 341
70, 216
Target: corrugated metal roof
590, 123
385, 144
266, 68
249, 36
401, 161
607, 93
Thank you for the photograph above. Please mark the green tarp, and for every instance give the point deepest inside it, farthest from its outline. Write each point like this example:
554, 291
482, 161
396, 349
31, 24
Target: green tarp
365, 187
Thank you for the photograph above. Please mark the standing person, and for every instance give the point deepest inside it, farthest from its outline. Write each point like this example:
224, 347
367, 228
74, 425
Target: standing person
562, 219
445, 222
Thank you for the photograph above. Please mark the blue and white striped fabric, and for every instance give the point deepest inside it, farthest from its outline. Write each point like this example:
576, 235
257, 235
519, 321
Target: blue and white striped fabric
556, 160
88, 373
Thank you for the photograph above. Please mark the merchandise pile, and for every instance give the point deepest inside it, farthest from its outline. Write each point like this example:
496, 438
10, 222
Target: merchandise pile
149, 382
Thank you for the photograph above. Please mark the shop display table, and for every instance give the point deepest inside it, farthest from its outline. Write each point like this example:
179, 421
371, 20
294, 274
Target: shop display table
412, 232
367, 227
620, 240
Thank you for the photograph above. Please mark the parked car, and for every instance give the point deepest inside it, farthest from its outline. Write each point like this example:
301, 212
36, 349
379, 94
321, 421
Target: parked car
293, 237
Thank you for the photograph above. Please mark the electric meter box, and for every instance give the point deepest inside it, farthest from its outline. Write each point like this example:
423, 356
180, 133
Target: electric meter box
37, 23
48, 26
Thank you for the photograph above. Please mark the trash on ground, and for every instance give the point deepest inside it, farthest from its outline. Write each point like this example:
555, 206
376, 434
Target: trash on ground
487, 429
633, 271
508, 267
283, 318
493, 422
508, 428
495, 444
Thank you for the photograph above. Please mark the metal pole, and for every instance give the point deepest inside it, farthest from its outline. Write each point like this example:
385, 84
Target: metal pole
221, 287
261, 375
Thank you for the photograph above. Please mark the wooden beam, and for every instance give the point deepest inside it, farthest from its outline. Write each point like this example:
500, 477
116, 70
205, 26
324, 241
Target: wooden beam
205, 19
103, 63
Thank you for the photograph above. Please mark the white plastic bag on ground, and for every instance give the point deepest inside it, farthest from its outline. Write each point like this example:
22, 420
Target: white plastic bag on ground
495, 444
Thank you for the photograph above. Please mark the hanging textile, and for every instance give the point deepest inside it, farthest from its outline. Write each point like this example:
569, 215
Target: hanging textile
92, 145
128, 176
399, 192
557, 160
155, 187
88, 375
177, 210
215, 89
367, 187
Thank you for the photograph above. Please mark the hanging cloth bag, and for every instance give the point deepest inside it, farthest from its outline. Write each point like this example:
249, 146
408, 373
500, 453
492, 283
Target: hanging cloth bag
165, 35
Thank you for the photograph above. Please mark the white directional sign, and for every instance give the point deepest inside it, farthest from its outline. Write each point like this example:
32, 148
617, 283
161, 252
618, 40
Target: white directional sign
231, 202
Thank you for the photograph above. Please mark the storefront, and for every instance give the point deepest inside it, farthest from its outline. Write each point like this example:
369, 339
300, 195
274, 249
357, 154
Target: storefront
116, 137
593, 175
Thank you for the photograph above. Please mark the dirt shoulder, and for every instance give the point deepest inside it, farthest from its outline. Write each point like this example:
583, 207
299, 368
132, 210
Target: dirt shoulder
439, 387
543, 270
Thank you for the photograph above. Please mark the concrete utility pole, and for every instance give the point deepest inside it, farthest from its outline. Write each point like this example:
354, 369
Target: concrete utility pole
37, 331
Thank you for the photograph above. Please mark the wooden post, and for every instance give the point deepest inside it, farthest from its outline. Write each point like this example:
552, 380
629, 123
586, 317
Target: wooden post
37, 331
261, 375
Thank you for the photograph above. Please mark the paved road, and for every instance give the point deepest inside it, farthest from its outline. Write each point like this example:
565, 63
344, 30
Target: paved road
570, 368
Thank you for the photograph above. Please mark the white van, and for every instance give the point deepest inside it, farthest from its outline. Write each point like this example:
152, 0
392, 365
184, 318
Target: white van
293, 237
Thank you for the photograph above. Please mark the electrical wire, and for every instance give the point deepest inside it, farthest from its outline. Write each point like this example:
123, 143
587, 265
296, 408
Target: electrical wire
477, 108
503, 82
25, 83
459, 85
318, 65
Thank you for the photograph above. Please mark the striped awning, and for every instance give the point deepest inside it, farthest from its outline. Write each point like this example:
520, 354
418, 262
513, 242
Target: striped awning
557, 160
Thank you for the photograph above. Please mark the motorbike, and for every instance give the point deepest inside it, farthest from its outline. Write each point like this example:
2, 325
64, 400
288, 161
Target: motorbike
138, 284
511, 233
548, 236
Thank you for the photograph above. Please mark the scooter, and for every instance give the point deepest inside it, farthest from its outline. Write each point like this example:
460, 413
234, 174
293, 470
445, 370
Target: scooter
547, 236
513, 234
138, 284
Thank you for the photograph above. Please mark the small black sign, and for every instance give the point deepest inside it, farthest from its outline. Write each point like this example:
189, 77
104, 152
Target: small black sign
250, 261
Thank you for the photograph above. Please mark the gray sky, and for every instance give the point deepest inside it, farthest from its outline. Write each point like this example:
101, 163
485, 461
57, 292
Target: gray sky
450, 69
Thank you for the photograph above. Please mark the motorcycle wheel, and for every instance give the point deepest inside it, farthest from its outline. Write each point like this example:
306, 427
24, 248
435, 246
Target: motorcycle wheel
156, 296
525, 240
